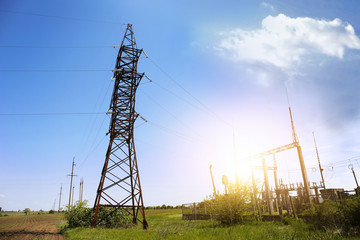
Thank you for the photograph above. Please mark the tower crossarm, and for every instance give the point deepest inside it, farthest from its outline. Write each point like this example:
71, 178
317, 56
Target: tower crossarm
275, 150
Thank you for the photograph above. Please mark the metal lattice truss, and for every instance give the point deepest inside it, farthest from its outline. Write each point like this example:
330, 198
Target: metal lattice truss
119, 185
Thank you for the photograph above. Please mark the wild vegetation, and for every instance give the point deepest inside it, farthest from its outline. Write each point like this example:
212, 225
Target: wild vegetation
236, 207
168, 224
232, 217
342, 216
79, 215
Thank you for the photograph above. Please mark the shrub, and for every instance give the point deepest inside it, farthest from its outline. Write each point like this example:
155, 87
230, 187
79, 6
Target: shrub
343, 216
324, 215
27, 211
51, 212
235, 207
80, 215
350, 209
111, 218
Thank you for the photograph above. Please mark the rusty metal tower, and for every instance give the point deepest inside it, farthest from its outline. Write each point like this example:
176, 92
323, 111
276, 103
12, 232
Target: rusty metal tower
119, 185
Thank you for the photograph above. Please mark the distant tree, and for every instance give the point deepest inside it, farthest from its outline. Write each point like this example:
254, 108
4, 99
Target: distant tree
0, 209
27, 211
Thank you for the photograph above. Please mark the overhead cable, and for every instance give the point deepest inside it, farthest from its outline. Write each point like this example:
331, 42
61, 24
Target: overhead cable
50, 114
28, 46
56, 70
61, 17
208, 110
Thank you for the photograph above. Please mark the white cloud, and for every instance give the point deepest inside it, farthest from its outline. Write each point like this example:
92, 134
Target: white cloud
267, 5
284, 41
2, 196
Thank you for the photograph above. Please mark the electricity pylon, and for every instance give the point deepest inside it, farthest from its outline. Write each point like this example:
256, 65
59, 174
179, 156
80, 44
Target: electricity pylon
119, 185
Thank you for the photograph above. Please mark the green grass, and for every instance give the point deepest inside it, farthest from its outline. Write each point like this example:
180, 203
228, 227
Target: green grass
167, 224
6, 214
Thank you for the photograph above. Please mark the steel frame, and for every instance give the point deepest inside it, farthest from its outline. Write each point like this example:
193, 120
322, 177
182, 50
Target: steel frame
294, 144
119, 185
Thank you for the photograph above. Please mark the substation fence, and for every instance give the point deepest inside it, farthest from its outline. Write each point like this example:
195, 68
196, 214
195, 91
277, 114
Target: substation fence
196, 211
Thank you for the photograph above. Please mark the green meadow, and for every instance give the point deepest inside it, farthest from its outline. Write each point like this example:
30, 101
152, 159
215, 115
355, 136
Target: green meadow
168, 224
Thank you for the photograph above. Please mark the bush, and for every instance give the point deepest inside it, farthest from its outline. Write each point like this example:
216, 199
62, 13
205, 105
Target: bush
343, 217
324, 215
27, 211
351, 210
235, 207
111, 218
51, 212
80, 215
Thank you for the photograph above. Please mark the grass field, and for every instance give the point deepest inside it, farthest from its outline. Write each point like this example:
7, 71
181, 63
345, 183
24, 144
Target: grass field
167, 224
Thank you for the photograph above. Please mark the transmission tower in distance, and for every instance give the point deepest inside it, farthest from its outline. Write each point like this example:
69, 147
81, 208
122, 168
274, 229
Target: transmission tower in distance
119, 185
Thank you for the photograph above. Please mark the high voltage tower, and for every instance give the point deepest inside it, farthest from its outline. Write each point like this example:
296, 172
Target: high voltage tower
119, 185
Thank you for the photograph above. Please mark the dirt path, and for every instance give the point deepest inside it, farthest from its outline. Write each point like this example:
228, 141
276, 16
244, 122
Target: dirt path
31, 227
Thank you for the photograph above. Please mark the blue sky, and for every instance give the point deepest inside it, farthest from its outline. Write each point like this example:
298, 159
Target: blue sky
235, 58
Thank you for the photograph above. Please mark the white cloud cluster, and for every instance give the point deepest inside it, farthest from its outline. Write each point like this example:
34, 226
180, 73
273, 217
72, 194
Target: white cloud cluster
267, 5
283, 41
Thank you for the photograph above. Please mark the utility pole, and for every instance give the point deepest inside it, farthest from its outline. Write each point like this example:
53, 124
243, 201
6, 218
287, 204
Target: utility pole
72, 196
277, 190
353, 172
236, 165
255, 200
71, 182
301, 160
53, 207
212, 179
60, 199
321, 169
267, 188
81, 189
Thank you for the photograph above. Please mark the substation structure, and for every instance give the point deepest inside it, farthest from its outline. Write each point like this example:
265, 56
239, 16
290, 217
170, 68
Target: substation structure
280, 198
119, 186
283, 199
292, 197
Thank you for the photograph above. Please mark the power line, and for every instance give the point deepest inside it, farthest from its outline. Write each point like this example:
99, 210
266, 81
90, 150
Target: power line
92, 150
198, 136
345, 160
61, 17
176, 95
187, 101
56, 70
50, 114
96, 108
171, 131
24, 46
163, 108
208, 110
176, 82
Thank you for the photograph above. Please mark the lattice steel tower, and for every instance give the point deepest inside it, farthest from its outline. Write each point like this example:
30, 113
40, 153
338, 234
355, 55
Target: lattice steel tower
119, 185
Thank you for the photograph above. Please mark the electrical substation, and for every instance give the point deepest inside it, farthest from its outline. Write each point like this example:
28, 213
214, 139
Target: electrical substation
270, 203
